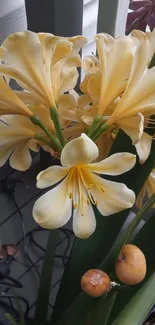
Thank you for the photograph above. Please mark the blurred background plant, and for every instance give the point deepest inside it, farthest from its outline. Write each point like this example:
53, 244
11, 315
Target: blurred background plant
142, 15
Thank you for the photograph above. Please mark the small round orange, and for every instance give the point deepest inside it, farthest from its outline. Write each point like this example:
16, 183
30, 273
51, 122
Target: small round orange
95, 282
131, 265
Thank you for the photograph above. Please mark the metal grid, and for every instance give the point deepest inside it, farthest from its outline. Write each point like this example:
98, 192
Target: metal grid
22, 271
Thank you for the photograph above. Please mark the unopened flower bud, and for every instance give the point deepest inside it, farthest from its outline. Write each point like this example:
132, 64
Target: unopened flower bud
131, 265
95, 282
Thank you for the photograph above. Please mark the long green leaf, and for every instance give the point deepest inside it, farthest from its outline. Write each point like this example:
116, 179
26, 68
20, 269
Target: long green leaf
45, 280
77, 313
109, 262
101, 310
146, 242
11, 318
90, 253
139, 306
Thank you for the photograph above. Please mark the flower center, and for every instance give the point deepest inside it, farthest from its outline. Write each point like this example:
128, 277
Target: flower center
80, 183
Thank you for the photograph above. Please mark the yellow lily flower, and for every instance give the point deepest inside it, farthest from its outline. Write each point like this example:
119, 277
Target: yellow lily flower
148, 188
82, 186
43, 64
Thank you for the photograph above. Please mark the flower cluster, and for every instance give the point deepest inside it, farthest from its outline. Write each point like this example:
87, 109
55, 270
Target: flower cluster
117, 92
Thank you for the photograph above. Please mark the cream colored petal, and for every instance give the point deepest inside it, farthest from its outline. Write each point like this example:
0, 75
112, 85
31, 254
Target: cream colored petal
51, 176
25, 55
142, 36
114, 197
139, 67
23, 81
5, 152
80, 151
115, 164
139, 64
104, 144
84, 101
91, 64
84, 225
33, 145
73, 132
66, 102
67, 108
74, 94
15, 128
78, 41
87, 119
133, 126
53, 209
21, 157
116, 62
69, 77
29, 98
62, 49
64, 76
10, 103
94, 86
84, 83
84, 222
143, 147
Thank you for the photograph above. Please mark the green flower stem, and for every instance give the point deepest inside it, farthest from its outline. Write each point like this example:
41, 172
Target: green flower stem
35, 120
56, 121
39, 137
91, 130
102, 129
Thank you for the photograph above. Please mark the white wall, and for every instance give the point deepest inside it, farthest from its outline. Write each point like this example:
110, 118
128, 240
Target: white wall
12, 17
90, 20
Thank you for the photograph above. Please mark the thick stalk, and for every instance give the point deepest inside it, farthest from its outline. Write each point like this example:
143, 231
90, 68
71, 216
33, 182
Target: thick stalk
35, 120
91, 130
56, 121
104, 127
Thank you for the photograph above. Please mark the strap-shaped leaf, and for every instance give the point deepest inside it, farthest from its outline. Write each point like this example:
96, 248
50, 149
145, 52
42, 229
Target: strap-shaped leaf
11, 319
109, 262
139, 306
45, 280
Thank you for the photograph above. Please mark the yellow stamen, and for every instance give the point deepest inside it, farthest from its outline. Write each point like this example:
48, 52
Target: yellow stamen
85, 185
